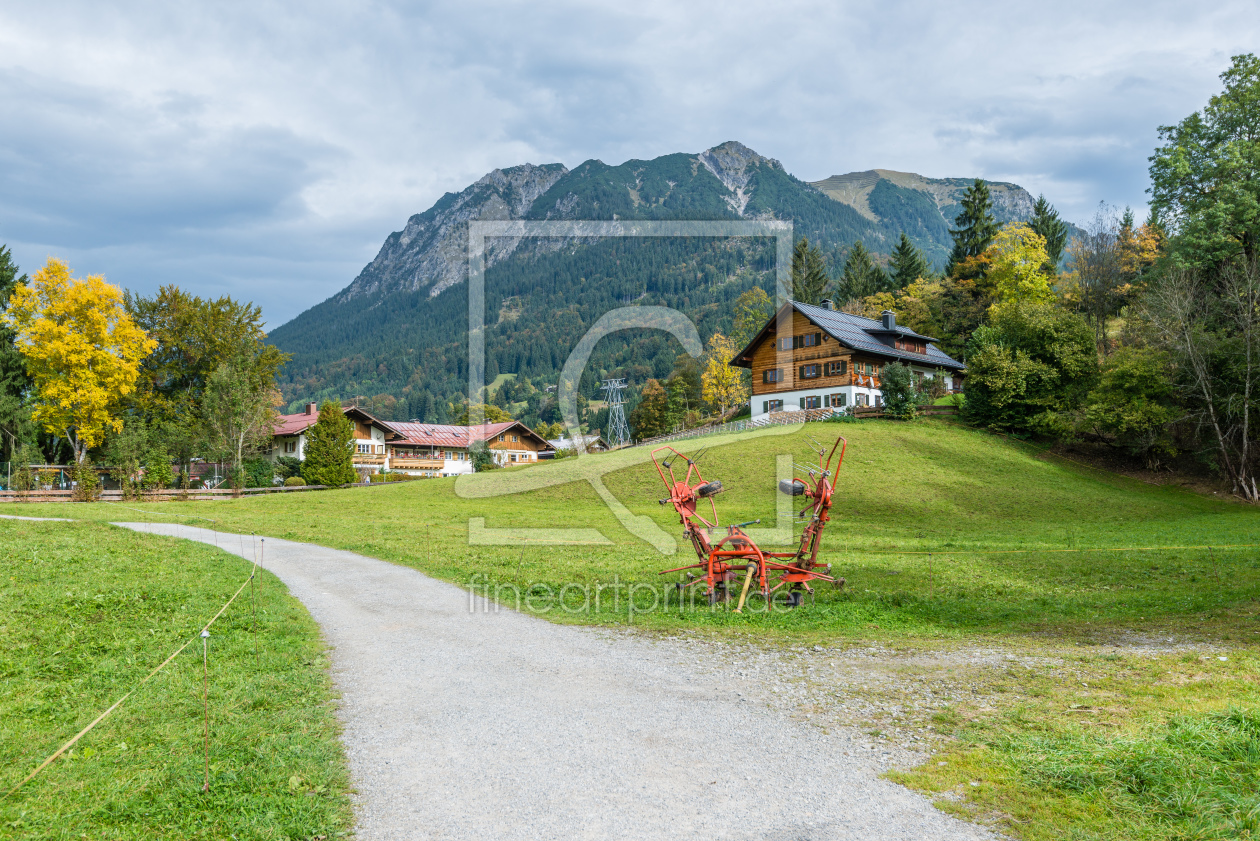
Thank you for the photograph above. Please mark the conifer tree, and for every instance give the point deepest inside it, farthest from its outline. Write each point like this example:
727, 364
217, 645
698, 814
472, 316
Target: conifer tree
809, 273
861, 276
329, 450
907, 264
976, 225
1046, 223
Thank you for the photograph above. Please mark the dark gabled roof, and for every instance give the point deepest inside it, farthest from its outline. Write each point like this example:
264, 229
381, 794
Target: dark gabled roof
856, 332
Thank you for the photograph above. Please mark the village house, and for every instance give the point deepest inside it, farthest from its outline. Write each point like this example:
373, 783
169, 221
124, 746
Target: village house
417, 449
827, 359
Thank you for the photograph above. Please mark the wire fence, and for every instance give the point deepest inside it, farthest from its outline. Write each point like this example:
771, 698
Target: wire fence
202, 635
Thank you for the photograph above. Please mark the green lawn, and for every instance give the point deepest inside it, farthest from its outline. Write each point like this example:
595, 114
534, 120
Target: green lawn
1157, 754
86, 611
926, 486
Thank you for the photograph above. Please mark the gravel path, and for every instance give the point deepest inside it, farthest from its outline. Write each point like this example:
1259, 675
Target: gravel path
463, 722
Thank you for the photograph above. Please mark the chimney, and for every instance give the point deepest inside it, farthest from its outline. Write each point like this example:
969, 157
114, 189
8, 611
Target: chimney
829, 304
889, 318
312, 408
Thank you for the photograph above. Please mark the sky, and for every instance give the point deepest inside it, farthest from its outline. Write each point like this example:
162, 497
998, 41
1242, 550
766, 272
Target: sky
265, 150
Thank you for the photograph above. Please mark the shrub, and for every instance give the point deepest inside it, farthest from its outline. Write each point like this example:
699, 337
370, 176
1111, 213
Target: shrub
87, 484
901, 398
287, 466
158, 473
259, 472
294, 482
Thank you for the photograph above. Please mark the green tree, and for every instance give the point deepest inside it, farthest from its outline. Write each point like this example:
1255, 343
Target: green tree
330, 448
648, 418
1017, 256
195, 337
897, 386
906, 264
1205, 180
1029, 367
16, 427
1046, 223
238, 413
861, 276
809, 273
1209, 323
1134, 403
975, 225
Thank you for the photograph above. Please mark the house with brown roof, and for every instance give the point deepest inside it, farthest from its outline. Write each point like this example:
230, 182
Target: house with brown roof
370, 437
817, 357
418, 449
432, 449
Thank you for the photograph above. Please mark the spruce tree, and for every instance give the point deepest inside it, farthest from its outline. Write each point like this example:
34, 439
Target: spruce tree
861, 276
976, 225
907, 264
809, 273
330, 448
1046, 222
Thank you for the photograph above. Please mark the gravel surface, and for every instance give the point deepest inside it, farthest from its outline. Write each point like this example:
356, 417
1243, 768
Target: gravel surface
466, 722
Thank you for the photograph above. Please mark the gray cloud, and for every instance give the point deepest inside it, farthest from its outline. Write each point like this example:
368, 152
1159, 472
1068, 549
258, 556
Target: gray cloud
266, 150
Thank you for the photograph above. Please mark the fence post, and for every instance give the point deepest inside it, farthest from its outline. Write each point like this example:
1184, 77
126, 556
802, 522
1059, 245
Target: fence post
205, 694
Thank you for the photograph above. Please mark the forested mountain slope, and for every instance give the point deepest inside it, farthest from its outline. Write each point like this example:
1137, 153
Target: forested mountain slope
397, 334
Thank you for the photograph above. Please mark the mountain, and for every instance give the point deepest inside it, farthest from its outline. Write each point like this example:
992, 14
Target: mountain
396, 335
925, 208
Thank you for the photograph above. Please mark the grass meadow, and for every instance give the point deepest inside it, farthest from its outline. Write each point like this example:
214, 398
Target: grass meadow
86, 611
948, 537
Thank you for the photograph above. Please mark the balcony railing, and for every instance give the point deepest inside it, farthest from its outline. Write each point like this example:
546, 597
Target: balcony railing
367, 458
404, 463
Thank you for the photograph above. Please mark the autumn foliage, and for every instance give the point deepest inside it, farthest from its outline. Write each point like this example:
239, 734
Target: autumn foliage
82, 350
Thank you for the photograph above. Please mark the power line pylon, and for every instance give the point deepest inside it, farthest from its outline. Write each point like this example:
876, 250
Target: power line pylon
618, 429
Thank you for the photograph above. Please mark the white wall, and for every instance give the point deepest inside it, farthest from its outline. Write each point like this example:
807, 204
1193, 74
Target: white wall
794, 401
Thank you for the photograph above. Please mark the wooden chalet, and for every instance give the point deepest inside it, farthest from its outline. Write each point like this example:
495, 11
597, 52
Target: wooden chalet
419, 449
816, 357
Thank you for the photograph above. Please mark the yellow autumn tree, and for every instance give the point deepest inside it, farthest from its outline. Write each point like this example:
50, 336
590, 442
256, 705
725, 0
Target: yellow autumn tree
81, 348
1018, 254
722, 384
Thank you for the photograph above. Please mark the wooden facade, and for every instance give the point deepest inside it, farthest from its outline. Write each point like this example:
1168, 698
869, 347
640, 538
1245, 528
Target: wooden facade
837, 366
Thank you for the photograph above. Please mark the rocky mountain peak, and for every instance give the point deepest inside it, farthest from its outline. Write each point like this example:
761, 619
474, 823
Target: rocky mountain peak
730, 163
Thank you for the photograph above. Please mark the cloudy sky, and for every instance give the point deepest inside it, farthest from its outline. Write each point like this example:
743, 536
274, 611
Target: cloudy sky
265, 150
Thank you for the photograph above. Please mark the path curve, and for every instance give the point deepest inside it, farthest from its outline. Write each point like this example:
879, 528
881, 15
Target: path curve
463, 723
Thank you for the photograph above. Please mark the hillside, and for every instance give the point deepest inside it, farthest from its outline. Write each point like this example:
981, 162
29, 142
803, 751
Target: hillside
395, 335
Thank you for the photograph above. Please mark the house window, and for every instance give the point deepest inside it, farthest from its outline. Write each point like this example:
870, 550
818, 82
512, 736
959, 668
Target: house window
380, 449
835, 369
500, 437
809, 372
835, 401
516, 439
772, 375
363, 448
813, 402
811, 339
290, 446
772, 405
860, 400
512, 456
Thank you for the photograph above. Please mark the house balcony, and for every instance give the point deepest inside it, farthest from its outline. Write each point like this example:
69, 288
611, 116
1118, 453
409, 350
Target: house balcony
366, 459
404, 463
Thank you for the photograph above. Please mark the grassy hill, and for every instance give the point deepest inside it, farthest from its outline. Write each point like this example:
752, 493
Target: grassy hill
926, 486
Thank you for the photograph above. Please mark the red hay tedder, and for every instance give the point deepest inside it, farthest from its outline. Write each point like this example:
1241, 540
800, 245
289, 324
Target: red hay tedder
734, 552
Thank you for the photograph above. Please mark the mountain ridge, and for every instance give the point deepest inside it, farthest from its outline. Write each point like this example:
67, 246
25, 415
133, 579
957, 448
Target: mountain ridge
394, 331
